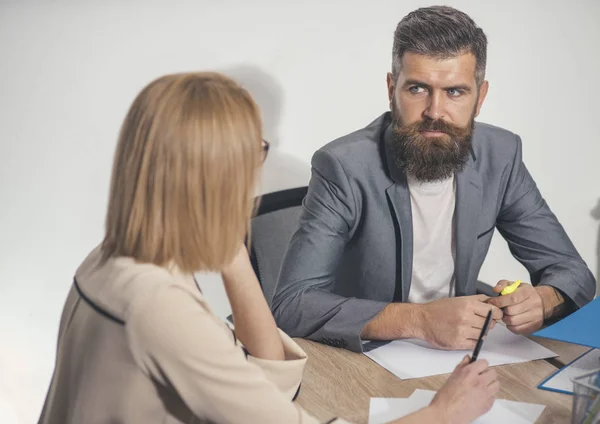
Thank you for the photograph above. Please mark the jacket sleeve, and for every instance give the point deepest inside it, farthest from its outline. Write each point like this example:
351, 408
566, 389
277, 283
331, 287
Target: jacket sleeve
183, 347
304, 304
538, 241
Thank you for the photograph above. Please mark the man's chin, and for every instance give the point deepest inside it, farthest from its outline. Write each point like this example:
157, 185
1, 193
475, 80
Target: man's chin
442, 141
433, 169
433, 134
430, 177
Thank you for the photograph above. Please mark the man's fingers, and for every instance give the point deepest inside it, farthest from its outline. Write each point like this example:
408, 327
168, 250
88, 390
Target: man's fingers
465, 344
522, 329
478, 325
482, 309
500, 285
479, 297
483, 306
501, 301
520, 319
471, 333
473, 320
522, 293
517, 309
504, 301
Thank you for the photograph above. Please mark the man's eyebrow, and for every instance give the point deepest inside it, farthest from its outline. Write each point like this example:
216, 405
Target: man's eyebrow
415, 82
463, 87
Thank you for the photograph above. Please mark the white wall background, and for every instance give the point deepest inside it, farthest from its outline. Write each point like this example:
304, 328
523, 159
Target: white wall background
70, 69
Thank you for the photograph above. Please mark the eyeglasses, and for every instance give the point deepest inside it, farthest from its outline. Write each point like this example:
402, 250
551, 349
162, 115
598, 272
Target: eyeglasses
265, 149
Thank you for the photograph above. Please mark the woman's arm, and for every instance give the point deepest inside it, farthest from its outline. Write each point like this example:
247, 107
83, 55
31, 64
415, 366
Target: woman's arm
254, 323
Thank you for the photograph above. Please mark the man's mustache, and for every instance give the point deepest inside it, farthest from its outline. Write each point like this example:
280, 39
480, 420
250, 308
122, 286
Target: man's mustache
433, 125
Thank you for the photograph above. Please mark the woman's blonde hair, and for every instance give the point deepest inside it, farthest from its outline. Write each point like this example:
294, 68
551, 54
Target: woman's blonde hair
184, 173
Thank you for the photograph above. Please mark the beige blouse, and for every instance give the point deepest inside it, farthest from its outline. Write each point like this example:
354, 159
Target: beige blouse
139, 344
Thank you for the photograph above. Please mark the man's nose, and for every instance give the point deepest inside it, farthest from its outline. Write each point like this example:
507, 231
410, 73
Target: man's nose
435, 107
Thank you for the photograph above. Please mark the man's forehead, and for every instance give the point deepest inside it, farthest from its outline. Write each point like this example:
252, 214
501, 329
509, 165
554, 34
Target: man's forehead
434, 71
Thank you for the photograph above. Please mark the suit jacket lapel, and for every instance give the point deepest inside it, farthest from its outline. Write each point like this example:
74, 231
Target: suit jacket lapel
398, 197
468, 208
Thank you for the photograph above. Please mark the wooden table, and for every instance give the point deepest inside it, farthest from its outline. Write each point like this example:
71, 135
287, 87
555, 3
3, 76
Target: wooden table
340, 383
567, 352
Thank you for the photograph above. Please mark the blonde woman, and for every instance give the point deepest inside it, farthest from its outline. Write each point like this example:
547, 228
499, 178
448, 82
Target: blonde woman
137, 341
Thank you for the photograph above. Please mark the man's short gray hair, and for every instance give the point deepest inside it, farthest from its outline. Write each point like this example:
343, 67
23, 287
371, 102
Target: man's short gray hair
442, 32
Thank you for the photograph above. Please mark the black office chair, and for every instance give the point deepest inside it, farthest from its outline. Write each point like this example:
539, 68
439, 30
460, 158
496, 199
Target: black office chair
272, 229
271, 232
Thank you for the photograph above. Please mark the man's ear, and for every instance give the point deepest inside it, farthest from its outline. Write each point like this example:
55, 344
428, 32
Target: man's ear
391, 86
483, 90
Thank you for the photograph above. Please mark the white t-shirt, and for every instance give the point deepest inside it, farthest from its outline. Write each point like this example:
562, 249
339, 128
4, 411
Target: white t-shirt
433, 240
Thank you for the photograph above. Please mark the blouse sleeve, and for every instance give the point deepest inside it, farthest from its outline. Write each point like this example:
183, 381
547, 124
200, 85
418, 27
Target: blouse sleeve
176, 341
287, 374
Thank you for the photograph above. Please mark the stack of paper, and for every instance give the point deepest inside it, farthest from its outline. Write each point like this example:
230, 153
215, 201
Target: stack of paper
415, 358
384, 410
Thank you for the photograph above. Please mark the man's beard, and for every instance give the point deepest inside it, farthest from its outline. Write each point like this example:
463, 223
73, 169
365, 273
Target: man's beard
430, 159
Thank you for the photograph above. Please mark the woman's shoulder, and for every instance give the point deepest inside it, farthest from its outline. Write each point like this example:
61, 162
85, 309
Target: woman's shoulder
172, 315
169, 292
128, 288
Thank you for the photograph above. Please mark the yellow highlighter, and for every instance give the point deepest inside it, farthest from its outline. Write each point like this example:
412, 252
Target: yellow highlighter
511, 288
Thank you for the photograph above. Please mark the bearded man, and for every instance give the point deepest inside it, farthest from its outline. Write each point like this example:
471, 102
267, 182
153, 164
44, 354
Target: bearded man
399, 215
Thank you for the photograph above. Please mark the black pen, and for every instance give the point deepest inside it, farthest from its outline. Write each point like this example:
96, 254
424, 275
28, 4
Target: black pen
488, 319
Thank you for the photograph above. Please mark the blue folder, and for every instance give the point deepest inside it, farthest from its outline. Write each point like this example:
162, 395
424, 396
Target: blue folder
588, 367
581, 327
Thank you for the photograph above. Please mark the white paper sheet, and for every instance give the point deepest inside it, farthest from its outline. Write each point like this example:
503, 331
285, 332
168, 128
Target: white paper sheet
562, 381
529, 411
384, 410
415, 358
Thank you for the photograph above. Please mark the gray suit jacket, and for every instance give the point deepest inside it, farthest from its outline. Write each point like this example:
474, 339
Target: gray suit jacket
352, 252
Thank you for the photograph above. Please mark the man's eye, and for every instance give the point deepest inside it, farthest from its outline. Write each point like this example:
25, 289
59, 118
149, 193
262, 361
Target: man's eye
415, 89
454, 92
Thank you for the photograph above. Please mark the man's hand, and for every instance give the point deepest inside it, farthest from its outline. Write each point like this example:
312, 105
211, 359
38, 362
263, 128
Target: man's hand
455, 323
527, 307
523, 309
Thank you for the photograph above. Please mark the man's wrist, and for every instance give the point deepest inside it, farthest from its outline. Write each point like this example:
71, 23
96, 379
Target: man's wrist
397, 321
554, 304
420, 318
411, 320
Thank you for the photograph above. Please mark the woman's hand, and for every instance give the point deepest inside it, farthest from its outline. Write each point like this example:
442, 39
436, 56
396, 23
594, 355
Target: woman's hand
254, 324
469, 393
